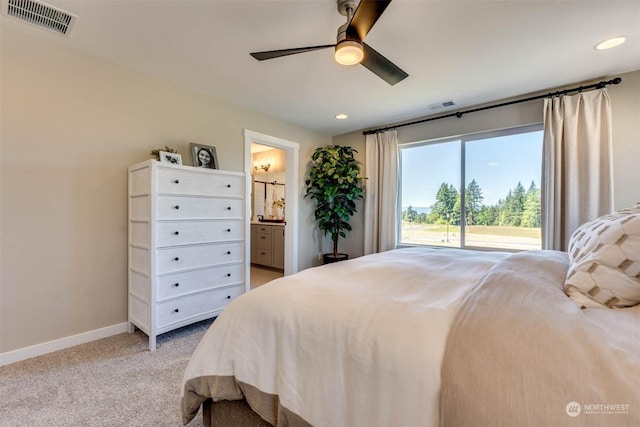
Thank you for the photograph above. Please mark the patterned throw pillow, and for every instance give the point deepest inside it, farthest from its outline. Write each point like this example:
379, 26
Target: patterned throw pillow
604, 255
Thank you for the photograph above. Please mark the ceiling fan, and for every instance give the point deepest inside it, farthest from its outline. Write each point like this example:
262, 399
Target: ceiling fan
350, 48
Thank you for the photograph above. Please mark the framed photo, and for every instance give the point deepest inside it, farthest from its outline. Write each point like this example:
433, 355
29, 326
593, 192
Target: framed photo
173, 158
204, 156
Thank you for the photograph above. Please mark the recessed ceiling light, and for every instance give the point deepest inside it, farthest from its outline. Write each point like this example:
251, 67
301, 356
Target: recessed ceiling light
610, 43
341, 116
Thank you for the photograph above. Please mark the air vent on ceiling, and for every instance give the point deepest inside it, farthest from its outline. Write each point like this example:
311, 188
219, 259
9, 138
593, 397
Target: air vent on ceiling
441, 105
41, 14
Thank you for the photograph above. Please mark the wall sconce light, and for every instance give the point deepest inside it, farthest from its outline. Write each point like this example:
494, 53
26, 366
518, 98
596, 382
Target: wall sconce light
264, 166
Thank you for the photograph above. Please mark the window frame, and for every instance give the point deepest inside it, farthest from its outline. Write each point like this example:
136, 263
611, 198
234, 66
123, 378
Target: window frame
463, 139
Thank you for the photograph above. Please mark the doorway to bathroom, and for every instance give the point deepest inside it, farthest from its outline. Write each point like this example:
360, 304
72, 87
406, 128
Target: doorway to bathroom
268, 210
271, 167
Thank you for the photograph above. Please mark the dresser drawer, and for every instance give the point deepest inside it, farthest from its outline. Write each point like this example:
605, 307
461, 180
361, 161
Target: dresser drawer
170, 260
172, 233
178, 284
195, 182
181, 309
185, 207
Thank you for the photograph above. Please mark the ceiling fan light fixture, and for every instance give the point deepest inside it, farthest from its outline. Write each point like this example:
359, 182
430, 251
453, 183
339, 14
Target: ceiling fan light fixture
350, 48
349, 52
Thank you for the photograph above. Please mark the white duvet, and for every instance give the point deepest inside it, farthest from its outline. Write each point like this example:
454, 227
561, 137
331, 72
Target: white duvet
355, 343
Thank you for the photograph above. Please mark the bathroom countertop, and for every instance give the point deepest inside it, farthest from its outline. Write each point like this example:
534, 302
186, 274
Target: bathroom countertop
281, 224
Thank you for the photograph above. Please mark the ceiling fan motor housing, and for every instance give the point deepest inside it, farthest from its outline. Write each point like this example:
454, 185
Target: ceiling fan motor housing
345, 5
348, 50
346, 8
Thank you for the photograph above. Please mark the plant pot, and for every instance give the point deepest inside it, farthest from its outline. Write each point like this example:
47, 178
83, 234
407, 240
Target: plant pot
329, 258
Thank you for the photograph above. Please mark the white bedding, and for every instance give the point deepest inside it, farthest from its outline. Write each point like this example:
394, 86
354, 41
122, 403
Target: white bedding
522, 353
288, 338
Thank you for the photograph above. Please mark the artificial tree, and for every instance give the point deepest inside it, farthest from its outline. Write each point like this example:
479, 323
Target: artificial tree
334, 185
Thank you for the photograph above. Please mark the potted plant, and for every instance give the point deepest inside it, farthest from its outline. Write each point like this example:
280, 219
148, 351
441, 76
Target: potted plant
279, 205
334, 185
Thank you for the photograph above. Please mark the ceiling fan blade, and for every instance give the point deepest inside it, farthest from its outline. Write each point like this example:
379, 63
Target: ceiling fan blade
270, 54
381, 66
364, 17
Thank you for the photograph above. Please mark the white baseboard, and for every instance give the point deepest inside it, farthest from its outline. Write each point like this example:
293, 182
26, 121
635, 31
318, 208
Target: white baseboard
60, 344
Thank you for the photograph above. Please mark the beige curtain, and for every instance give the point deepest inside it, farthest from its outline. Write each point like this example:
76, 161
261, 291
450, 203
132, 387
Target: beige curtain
381, 196
577, 178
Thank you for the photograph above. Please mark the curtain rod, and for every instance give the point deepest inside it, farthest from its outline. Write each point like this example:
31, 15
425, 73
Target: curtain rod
459, 114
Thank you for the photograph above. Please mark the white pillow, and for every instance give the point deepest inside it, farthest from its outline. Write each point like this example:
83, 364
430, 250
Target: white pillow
604, 256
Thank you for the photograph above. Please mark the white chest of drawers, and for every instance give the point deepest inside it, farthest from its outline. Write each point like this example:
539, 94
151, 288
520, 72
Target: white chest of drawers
186, 245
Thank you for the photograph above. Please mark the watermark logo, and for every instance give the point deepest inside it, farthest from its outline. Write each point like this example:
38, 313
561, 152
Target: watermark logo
573, 409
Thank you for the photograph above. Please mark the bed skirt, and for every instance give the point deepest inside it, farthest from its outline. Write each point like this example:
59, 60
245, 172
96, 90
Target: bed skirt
231, 413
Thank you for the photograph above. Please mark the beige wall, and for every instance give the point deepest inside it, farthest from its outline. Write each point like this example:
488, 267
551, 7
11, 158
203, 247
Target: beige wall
625, 106
70, 126
276, 158
625, 102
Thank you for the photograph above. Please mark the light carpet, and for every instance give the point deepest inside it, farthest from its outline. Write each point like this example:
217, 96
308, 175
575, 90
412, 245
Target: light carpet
115, 381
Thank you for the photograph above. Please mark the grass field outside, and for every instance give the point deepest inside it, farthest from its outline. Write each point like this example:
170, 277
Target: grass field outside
483, 236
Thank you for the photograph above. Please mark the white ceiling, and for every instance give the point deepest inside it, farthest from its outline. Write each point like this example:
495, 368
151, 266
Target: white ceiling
467, 51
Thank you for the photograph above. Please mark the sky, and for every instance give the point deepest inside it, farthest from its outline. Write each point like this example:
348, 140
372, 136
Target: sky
497, 164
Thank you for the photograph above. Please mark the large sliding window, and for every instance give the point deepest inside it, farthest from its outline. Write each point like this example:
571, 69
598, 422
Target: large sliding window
475, 191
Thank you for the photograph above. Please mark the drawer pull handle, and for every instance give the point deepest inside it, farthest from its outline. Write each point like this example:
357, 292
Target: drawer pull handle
262, 237
262, 253
176, 284
177, 206
228, 274
228, 296
176, 232
228, 252
228, 185
177, 181
176, 310
228, 208
228, 230
176, 259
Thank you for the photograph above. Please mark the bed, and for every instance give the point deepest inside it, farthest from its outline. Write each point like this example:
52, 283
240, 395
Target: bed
419, 337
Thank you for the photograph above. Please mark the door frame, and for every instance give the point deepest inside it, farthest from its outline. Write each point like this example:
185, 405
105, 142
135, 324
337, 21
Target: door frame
292, 150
